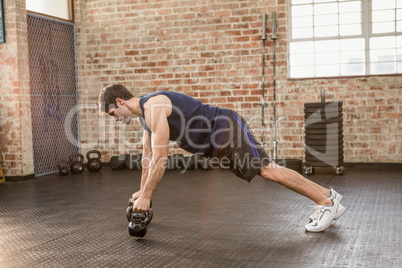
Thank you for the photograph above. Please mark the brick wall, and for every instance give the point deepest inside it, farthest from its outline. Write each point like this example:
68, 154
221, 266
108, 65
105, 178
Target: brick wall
15, 107
212, 50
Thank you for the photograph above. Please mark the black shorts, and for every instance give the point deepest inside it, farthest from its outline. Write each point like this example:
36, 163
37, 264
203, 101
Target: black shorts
242, 152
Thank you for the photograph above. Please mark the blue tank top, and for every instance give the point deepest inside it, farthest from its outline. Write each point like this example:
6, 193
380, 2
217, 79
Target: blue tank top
196, 127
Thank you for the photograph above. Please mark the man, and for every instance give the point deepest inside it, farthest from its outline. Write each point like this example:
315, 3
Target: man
210, 132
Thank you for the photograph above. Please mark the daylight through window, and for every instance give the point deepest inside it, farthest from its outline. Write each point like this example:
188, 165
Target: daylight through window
330, 38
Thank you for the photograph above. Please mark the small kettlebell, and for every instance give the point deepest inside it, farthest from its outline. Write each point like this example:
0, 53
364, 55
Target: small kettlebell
63, 167
94, 164
77, 166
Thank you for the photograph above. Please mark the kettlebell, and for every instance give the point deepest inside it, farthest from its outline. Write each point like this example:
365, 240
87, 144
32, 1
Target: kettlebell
137, 227
77, 166
138, 221
149, 214
63, 167
94, 164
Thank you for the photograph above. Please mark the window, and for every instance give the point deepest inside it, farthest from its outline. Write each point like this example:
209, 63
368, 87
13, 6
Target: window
330, 38
61, 9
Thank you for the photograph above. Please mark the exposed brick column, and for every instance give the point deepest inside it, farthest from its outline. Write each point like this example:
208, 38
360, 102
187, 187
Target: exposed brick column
15, 105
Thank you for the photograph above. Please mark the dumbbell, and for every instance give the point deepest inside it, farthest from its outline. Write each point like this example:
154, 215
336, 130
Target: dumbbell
138, 221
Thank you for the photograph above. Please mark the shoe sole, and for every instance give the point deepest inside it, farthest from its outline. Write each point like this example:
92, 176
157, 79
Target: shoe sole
319, 230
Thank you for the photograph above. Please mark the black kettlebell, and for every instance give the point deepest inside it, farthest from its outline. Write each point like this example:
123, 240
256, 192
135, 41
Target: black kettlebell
63, 167
77, 166
137, 227
138, 221
94, 164
149, 214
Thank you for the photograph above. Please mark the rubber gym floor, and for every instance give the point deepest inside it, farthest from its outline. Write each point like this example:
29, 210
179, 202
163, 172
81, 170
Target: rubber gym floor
201, 219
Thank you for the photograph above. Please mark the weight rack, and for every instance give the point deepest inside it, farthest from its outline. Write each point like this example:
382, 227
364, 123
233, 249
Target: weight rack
323, 136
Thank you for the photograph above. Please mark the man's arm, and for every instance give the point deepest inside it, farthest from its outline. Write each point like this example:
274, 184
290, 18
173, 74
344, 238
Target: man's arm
145, 163
156, 119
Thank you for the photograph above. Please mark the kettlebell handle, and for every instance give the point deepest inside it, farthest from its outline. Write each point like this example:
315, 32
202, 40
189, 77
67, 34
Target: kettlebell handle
77, 155
93, 152
63, 163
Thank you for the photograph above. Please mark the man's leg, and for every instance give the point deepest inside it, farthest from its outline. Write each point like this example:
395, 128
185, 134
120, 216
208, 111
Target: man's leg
323, 190
326, 210
294, 181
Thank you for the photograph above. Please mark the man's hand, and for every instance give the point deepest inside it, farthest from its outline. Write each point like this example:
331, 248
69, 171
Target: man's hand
135, 196
141, 205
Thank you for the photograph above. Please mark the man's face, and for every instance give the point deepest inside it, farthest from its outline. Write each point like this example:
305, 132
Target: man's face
122, 114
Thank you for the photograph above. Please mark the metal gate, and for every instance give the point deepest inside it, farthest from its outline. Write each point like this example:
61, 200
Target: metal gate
51, 46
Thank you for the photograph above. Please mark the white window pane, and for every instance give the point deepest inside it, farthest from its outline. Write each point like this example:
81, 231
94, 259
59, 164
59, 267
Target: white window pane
399, 67
327, 58
326, 31
353, 57
322, 9
298, 2
348, 18
399, 26
302, 71
327, 46
302, 21
327, 70
54, 8
302, 32
352, 44
399, 41
301, 59
399, 14
301, 47
383, 4
351, 29
382, 68
349, 7
383, 27
399, 3
382, 42
382, 55
352, 69
383, 15
330, 19
302, 11
399, 54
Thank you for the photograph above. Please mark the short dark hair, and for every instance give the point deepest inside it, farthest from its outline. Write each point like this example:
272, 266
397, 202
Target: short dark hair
108, 95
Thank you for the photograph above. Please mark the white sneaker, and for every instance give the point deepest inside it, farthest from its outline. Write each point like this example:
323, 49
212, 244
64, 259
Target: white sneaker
334, 196
324, 215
